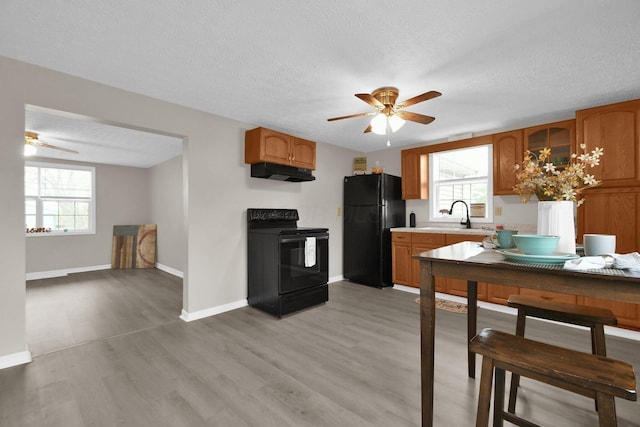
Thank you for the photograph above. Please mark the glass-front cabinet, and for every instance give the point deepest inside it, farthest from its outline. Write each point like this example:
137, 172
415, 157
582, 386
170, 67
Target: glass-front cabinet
559, 137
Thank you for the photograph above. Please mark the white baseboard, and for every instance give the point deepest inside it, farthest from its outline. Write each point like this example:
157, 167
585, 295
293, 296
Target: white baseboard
170, 270
608, 330
200, 314
407, 289
15, 359
65, 271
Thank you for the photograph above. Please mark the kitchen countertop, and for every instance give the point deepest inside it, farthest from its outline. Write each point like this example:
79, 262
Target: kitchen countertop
443, 230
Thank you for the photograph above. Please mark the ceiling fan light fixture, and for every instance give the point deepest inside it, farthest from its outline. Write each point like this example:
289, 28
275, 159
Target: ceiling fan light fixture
379, 124
29, 150
395, 122
390, 116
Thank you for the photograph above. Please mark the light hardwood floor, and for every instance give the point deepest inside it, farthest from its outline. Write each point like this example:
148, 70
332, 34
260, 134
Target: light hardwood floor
110, 350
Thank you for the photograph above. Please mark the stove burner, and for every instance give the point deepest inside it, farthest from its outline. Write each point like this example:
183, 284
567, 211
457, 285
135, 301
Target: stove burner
272, 215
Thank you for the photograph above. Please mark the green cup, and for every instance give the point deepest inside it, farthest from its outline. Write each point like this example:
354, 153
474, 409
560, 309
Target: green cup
504, 238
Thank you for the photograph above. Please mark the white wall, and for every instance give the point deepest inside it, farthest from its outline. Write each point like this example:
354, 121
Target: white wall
122, 197
389, 160
167, 211
216, 185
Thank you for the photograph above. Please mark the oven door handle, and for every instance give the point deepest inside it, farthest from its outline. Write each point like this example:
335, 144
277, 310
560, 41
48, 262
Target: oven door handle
302, 239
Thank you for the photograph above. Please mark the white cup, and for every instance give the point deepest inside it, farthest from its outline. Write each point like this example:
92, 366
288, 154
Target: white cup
599, 244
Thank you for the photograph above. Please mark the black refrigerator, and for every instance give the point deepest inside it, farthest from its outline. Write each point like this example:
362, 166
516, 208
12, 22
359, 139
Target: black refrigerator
372, 205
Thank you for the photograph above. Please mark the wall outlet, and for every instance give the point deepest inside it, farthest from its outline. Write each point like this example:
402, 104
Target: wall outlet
339, 212
497, 211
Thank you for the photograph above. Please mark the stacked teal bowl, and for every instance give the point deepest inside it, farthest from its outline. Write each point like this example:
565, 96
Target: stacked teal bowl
535, 244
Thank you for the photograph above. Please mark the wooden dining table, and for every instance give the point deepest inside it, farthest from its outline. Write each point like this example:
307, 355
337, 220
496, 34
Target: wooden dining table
473, 263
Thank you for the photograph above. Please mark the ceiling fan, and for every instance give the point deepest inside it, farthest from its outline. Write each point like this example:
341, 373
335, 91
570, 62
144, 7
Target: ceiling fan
31, 141
390, 115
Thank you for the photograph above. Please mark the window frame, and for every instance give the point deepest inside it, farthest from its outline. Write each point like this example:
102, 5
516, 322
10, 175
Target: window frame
435, 216
39, 200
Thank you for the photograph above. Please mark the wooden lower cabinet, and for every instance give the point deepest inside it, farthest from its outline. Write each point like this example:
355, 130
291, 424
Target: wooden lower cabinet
458, 286
628, 314
401, 258
499, 294
406, 271
421, 242
415, 267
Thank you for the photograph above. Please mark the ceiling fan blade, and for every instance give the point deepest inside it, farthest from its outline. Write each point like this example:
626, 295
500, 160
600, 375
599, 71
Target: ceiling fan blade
420, 98
415, 117
45, 145
351, 116
370, 99
368, 129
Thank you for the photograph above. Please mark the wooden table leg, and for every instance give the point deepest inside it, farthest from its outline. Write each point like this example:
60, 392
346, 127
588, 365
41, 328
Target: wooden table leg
472, 320
427, 339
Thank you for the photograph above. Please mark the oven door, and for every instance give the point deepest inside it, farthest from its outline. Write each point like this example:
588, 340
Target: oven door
302, 266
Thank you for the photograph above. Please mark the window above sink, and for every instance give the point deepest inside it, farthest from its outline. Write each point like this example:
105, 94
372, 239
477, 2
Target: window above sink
462, 174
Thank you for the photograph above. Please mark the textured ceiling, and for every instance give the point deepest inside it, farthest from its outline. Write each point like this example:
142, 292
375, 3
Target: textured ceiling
98, 142
289, 65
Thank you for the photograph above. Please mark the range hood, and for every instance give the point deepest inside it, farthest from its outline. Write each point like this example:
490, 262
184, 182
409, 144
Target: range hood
280, 172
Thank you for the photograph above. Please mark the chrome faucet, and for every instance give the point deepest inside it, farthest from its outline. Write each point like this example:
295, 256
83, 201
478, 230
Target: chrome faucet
466, 223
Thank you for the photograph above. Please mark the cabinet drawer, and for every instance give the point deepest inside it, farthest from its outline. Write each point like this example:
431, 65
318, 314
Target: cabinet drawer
436, 239
401, 236
456, 238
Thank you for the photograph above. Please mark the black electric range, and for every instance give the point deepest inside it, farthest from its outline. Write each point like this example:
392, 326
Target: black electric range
288, 266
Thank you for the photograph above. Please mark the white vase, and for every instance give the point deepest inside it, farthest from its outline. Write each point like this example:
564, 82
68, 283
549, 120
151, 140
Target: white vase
557, 219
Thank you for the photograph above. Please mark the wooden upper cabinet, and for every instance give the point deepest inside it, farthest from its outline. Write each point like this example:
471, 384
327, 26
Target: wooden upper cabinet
264, 145
415, 173
269, 146
304, 153
507, 152
616, 129
559, 137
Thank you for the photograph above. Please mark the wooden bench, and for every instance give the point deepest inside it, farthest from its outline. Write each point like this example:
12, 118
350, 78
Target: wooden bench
594, 376
592, 317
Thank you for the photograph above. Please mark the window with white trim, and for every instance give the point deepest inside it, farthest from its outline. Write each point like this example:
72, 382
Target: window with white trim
59, 199
462, 174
